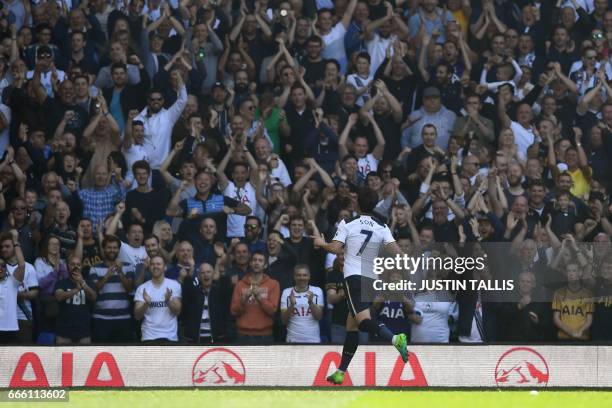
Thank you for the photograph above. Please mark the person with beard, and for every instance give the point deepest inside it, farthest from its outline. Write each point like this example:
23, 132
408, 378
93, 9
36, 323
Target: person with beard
515, 184
252, 234
159, 121
114, 280
87, 247
205, 310
10, 282
12, 255
243, 88
123, 97
153, 248
75, 296
564, 184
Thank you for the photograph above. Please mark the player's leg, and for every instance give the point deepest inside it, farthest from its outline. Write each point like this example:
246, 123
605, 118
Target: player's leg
351, 342
367, 324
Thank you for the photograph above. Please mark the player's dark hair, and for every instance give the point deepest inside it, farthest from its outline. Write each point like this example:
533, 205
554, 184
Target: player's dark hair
367, 199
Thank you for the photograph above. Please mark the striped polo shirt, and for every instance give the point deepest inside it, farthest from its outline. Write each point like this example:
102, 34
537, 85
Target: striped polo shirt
113, 301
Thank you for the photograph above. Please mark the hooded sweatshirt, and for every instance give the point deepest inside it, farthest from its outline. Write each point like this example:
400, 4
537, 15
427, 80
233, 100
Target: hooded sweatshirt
255, 317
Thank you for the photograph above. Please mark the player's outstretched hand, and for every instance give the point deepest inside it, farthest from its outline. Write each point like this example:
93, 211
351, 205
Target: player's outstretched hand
318, 241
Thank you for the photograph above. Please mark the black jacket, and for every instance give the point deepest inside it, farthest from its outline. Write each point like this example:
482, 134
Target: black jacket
132, 96
193, 304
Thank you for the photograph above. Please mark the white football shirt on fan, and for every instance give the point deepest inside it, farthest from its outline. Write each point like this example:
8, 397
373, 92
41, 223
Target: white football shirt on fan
132, 255
434, 328
159, 322
363, 237
30, 280
245, 195
367, 164
302, 326
9, 287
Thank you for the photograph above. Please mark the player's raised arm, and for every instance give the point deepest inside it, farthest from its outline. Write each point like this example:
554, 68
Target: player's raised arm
393, 249
334, 247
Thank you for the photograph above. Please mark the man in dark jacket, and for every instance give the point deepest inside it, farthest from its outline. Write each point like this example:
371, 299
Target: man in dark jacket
123, 97
282, 258
205, 308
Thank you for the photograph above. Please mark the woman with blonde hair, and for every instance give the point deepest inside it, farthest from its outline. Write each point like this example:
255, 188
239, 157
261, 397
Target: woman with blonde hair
163, 231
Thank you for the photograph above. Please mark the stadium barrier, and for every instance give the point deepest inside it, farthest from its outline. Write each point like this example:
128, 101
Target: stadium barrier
305, 366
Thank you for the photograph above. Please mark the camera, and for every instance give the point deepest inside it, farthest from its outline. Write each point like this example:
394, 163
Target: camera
201, 53
284, 13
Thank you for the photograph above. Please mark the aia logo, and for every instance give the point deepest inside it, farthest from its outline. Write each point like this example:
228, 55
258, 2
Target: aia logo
521, 366
218, 366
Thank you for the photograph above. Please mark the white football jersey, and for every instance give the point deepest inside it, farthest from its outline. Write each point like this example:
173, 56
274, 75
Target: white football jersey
363, 237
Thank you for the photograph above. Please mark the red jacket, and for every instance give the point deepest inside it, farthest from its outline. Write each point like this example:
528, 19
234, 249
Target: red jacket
255, 317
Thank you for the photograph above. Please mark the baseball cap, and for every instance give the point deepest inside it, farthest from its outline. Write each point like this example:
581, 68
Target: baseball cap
431, 91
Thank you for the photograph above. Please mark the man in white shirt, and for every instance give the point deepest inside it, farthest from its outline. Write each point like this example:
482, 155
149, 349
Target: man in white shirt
523, 129
46, 69
333, 36
158, 303
133, 251
159, 122
135, 145
240, 188
28, 289
302, 308
9, 287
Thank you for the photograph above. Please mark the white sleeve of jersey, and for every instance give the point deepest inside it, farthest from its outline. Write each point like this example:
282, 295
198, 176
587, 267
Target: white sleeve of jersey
341, 232
285, 298
387, 236
139, 295
319, 295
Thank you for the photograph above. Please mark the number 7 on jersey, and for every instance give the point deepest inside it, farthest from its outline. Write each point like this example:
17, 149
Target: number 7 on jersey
368, 235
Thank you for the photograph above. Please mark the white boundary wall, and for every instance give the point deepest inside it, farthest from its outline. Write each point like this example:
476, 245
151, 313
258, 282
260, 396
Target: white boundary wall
305, 366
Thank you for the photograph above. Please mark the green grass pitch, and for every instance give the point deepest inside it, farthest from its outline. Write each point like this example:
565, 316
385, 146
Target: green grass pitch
330, 399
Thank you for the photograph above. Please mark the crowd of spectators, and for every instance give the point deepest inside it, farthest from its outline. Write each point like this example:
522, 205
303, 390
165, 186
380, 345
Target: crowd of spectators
165, 165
